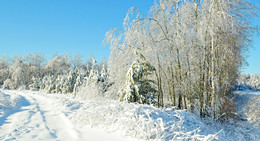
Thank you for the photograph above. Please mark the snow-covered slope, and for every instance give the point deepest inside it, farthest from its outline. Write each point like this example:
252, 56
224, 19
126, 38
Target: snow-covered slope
39, 116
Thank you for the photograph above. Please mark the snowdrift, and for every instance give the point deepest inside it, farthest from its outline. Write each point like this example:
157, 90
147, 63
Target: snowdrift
150, 123
9, 103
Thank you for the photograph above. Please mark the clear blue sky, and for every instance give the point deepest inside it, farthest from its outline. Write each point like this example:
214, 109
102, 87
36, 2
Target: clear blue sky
61, 26
72, 26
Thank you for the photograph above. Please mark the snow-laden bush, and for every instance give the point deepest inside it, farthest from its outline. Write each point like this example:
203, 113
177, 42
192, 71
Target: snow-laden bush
8, 84
150, 123
95, 84
78, 84
3, 75
58, 65
35, 86
20, 74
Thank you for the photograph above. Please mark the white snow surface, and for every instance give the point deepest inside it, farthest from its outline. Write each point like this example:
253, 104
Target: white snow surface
27, 115
249, 107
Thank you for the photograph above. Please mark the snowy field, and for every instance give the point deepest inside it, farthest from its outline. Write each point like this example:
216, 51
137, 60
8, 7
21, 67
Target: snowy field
27, 115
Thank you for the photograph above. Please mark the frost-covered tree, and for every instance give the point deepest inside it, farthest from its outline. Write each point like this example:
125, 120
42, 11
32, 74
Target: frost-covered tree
76, 62
3, 75
4, 69
196, 47
78, 84
16, 58
35, 62
72, 79
248, 82
78, 81
20, 74
59, 84
104, 72
95, 83
138, 86
94, 73
50, 84
57, 76
35, 59
58, 65
36, 84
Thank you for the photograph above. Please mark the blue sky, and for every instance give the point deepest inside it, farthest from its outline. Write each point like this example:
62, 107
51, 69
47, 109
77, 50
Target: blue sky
72, 26
61, 26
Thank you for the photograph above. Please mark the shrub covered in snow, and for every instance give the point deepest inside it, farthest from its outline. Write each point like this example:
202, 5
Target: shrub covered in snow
94, 85
3, 75
150, 123
8, 84
35, 86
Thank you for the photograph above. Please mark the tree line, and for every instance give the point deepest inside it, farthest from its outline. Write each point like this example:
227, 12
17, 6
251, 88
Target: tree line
248, 82
195, 46
61, 74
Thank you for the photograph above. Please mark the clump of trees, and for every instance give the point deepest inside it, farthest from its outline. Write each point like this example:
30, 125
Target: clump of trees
196, 47
248, 82
61, 74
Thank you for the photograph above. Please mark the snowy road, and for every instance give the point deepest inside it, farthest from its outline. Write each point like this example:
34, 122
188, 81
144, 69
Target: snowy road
41, 117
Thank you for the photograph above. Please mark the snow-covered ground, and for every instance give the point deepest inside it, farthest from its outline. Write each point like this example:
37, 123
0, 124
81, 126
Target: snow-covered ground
33, 116
27, 115
249, 107
249, 104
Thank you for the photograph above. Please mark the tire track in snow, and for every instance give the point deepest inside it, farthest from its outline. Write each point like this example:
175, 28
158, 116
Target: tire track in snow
12, 116
54, 120
41, 117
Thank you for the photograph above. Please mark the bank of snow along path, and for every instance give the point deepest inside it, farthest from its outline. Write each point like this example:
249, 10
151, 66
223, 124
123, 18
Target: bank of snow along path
27, 115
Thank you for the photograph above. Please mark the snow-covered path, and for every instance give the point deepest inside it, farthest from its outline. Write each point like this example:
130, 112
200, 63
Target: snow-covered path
41, 117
